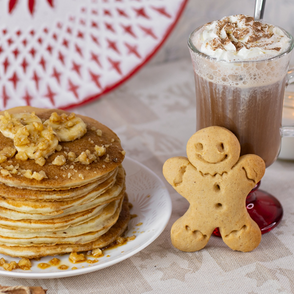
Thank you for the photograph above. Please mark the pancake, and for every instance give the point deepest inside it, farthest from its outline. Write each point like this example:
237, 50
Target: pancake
56, 195
103, 193
65, 177
79, 234
109, 213
62, 183
44, 250
110, 195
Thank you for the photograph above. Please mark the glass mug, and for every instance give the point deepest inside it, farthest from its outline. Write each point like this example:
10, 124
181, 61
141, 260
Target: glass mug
246, 97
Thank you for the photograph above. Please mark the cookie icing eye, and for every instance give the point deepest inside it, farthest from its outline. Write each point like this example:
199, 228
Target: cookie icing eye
199, 147
220, 147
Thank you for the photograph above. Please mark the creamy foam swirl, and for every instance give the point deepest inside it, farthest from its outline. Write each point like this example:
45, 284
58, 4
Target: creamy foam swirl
239, 37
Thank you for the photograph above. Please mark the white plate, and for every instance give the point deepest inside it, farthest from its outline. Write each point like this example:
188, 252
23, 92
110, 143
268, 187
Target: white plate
152, 205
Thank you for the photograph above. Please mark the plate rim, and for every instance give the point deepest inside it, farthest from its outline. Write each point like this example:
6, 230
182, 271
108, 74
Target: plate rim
96, 267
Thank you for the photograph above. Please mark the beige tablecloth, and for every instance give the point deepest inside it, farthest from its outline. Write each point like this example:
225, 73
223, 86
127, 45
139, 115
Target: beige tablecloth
154, 115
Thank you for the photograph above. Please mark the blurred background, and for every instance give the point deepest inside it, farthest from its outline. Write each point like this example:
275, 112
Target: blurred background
198, 12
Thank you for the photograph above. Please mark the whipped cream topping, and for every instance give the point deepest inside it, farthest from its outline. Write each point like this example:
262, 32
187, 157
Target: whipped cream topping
240, 38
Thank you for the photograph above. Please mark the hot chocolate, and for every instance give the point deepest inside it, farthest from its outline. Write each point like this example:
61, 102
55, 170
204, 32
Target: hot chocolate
240, 75
254, 114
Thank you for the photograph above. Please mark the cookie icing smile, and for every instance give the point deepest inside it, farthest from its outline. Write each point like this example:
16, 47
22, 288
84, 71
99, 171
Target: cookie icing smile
223, 158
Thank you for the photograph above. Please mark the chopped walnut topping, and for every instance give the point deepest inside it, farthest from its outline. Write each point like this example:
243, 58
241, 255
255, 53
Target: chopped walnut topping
75, 257
8, 126
6, 152
28, 174
120, 240
86, 157
9, 167
37, 176
5, 173
97, 252
41, 161
3, 158
59, 160
107, 159
68, 127
35, 141
12, 169
59, 147
24, 264
100, 150
34, 175
10, 266
71, 156
11, 123
99, 133
21, 156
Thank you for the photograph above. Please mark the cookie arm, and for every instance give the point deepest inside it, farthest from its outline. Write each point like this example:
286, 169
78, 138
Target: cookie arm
174, 169
253, 166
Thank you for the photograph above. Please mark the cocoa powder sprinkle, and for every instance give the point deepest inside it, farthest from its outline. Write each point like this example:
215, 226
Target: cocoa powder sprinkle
246, 35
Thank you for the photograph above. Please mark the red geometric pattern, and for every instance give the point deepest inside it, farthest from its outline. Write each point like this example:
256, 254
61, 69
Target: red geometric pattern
63, 53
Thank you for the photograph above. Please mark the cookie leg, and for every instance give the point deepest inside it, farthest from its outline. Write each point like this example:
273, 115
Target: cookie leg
185, 237
245, 239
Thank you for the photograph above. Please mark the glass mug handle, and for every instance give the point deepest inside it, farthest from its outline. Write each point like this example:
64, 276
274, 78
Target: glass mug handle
287, 131
290, 77
287, 150
289, 96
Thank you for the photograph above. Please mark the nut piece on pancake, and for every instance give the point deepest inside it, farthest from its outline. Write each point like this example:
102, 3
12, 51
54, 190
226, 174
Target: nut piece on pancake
35, 141
67, 127
62, 184
11, 123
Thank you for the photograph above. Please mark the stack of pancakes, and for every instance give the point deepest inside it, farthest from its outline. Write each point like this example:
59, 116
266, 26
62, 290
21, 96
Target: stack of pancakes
76, 206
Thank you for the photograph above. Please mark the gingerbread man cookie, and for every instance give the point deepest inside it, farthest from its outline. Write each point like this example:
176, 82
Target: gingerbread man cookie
215, 180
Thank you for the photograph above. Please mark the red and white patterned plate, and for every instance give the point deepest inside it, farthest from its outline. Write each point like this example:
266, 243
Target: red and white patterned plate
63, 53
